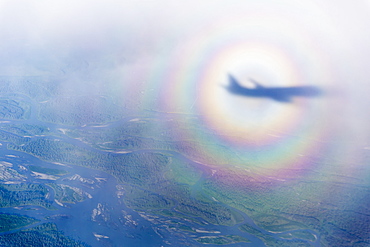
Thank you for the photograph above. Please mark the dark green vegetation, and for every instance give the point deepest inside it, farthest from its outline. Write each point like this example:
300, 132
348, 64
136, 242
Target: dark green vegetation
43, 235
300, 235
78, 110
131, 172
14, 109
270, 241
222, 240
149, 170
212, 212
9, 137
273, 223
165, 195
34, 87
25, 129
10, 222
177, 215
140, 199
155, 134
13, 195
296, 206
48, 171
68, 194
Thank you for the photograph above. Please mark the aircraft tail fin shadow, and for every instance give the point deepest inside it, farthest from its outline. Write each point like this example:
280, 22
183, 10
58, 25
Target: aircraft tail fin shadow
234, 84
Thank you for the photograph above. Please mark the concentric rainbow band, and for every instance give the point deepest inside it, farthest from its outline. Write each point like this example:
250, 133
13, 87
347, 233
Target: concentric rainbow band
268, 48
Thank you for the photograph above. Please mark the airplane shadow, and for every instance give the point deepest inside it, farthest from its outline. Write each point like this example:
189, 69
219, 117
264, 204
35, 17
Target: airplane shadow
280, 94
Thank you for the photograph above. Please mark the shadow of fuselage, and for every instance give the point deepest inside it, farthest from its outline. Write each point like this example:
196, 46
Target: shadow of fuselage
280, 94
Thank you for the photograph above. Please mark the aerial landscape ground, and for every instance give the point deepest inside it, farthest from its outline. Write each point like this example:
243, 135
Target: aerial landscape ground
162, 124
73, 180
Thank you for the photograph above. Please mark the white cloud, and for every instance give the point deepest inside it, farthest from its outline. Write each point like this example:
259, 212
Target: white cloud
54, 36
